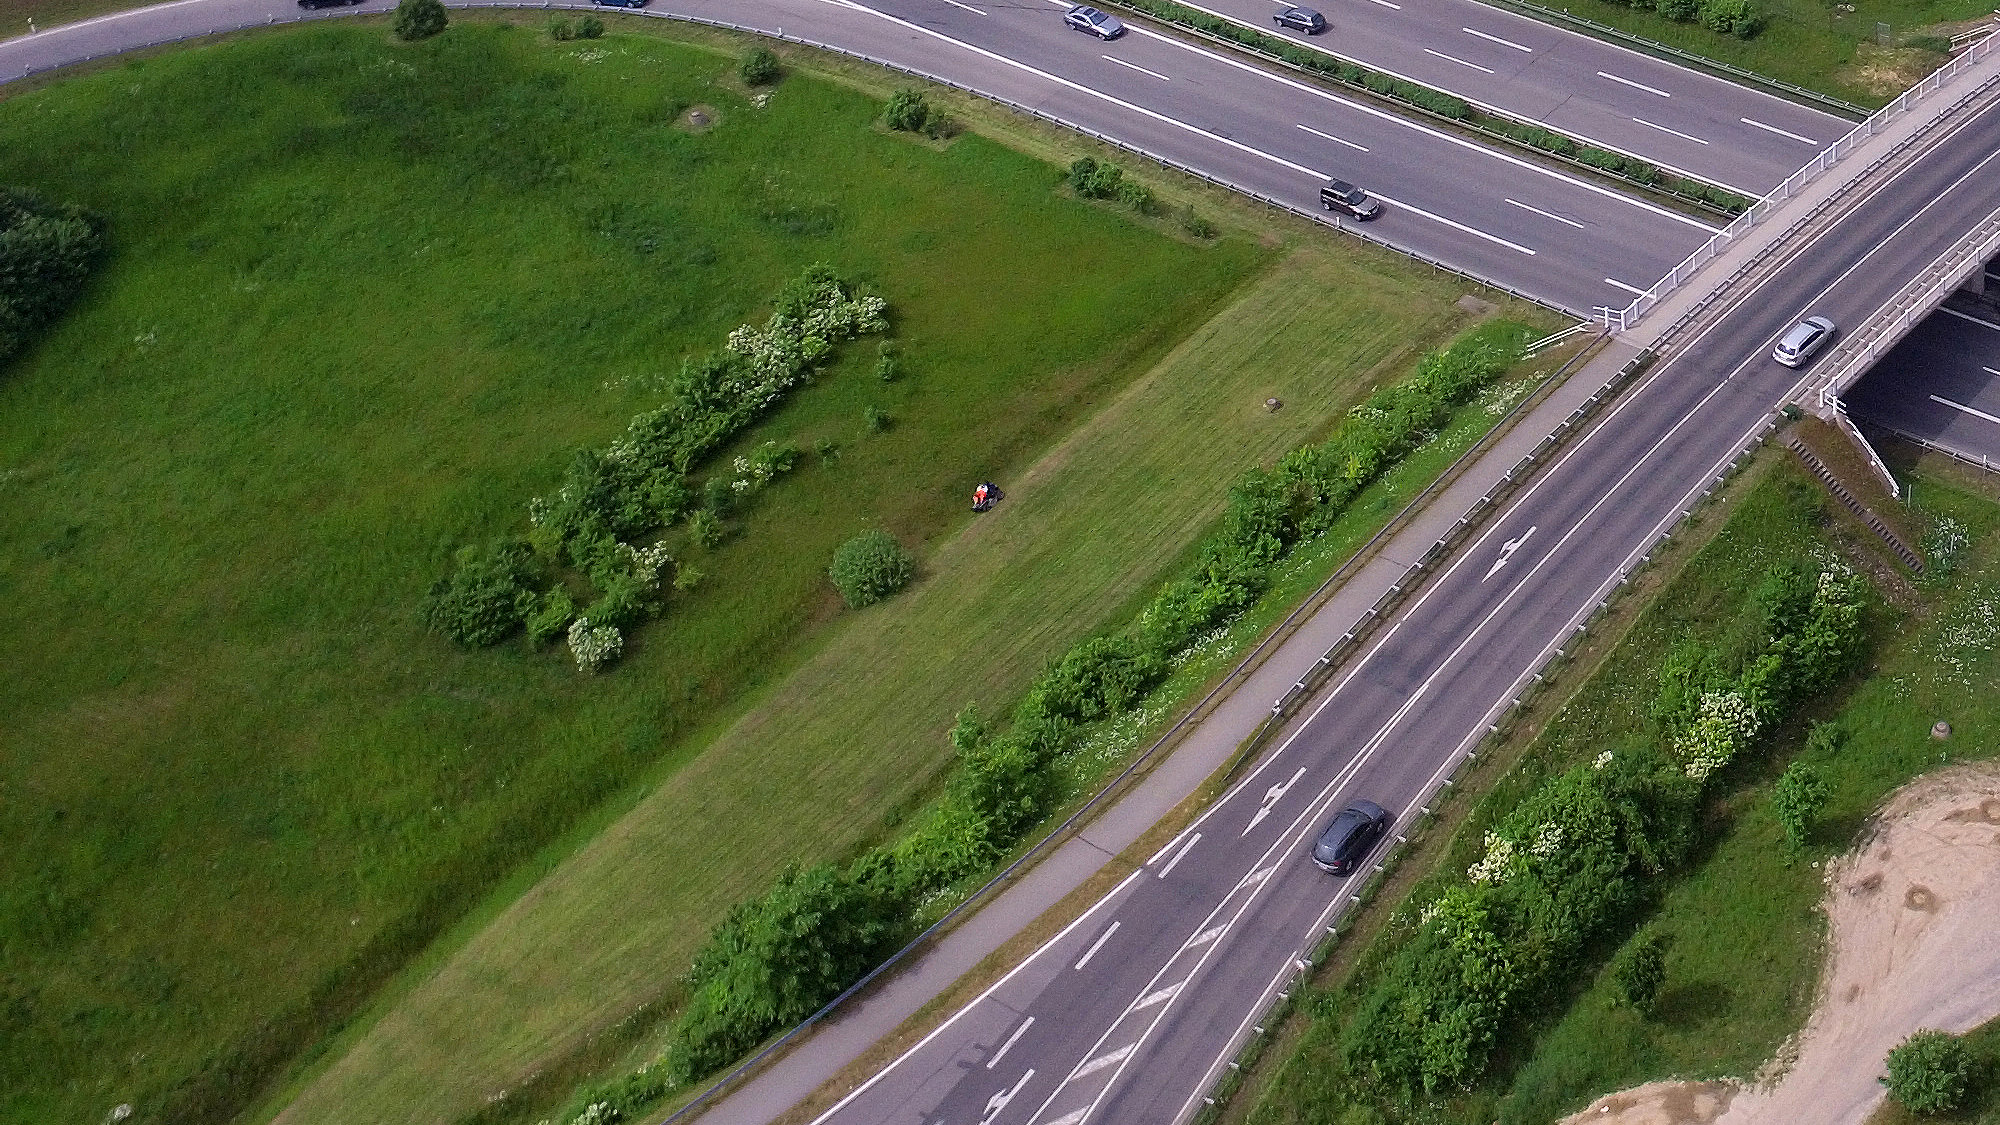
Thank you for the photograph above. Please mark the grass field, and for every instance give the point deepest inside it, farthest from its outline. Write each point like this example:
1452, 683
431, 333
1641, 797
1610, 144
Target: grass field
364, 300
1745, 936
1827, 47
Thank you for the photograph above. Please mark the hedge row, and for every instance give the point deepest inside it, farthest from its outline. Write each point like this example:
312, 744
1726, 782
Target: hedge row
779, 957
47, 252
1576, 857
1448, 105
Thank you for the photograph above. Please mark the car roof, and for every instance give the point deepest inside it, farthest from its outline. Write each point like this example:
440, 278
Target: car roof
1341, 187
1804, 331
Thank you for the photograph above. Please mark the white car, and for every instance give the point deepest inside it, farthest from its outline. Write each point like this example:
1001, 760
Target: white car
1104, 25
1797, 347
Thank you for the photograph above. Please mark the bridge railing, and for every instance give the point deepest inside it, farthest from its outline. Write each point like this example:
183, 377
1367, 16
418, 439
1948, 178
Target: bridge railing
1622, 319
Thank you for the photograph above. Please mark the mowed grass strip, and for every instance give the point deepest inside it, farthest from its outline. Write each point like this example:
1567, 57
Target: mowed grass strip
365, 299
828, 761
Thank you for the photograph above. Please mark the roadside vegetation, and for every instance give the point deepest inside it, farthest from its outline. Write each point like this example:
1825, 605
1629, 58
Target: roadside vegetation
364, 300
1943, 1079
1704, 969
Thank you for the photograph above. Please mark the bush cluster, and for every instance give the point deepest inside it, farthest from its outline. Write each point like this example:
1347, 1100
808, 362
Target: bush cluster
759, 68
586, 533
870, 567
47, 252
910, 112
1092, 179
1570, 863
419, 19
1929, 1072
1004, 783
1739, 15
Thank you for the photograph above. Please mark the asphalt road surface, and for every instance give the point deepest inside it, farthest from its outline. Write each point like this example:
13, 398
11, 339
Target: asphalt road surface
1680, 119
1127, 1015
1574, 243
1941, 383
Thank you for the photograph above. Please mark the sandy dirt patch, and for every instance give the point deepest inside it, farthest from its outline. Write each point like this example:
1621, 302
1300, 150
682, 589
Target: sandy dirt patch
1911, 917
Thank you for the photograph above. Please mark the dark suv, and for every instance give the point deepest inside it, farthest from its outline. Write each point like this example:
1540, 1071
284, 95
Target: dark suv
326, 3
1347, 841
1339, 195
1301, 19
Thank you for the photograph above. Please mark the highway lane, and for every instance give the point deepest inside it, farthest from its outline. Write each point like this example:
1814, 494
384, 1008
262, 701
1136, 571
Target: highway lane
1941, 383
1540, 230
1680, 119
1175, 961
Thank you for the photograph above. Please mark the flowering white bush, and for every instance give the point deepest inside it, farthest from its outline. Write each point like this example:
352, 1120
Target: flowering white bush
1724, 725
1601, 760
1548, 841
1499, 861
594, 645
801, 335
647, 562
1944, 541
598, 1113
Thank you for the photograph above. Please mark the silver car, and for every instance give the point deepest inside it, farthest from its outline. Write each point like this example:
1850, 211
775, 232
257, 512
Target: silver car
1804, 341
1086, 19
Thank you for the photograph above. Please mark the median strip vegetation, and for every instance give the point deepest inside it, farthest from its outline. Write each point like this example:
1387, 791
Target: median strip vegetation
1636, 833
1449, 106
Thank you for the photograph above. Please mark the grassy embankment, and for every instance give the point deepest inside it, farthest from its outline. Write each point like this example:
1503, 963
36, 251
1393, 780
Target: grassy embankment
365, 300
1745, 937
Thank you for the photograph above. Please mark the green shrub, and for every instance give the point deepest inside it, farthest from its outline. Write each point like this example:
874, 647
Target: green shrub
1139, 197
561, 30
759, 68
1731, 17
419, 19
1639, 971
876, 419
485, 597
887, 368
1929, 1072
1194, 226
47, 252
870, 567
705, 528
590, 27
1680, 11
551, 616
907, 111
1093, 180
1797, 800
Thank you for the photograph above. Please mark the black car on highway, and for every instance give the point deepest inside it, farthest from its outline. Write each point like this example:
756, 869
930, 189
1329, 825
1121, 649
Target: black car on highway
1339, 195
1301, 19
326, 3
1089, 20
1351, 836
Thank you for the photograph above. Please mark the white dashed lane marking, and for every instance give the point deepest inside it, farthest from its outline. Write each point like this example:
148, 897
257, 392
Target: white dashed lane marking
1634, 85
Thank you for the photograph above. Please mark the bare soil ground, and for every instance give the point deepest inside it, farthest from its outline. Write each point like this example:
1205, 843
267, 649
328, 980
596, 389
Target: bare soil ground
1911, 913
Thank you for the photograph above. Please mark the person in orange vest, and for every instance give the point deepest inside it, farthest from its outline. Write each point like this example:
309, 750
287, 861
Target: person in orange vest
985, 496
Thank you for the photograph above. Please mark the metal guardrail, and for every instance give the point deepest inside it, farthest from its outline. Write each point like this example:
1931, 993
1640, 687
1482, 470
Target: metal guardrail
1536, 678
1980, 462
1621, 319
1536, 347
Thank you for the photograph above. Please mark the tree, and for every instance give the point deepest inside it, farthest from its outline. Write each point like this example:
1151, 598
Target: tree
1797, 799
419, 19
760, 68
1640, 969
870, 567
47, 251
1929, 1071
908, 111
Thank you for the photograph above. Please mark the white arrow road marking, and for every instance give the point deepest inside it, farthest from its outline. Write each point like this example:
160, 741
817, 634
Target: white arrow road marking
1271, 797
999, 1101
1507, 550
1009, 1044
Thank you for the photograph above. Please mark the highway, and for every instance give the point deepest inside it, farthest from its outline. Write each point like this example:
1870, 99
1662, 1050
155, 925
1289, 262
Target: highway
1680, 119
1127, 1015
1574, 243
1941, 383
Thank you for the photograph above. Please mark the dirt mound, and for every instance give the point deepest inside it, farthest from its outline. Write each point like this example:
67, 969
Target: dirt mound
1911, 916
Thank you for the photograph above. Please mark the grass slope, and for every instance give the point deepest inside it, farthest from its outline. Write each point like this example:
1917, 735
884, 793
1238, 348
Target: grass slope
834, 757
364, 299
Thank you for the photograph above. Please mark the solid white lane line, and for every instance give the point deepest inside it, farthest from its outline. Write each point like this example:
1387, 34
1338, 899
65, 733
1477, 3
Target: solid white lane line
1969, 316
1096, 945
1455, 225
980, 999
1634, 85
1160, 997
1436, 135
967, 7
1102, 1061
1546, 214
1135, 66
1180, 855
1675, 132
1461, 62
1334, 139
1969, 410
1632, 289
1774, 129
1080, 88
1497, 39
1009, 1045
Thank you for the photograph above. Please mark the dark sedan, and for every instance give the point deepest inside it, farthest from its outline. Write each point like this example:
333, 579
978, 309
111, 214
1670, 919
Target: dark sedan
1351, 836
